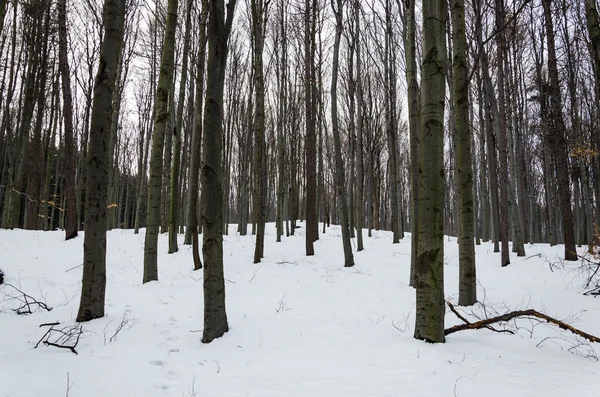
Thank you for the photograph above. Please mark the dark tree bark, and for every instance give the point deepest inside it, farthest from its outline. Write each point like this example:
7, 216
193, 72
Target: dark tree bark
414, 122
501, 132
310, 145
339, 162
558, 141
93, 286
467, 273
191, 233
360, 205
69, 155
177, 132
258, 9
161, 105
215, 316
281, 121
593, 27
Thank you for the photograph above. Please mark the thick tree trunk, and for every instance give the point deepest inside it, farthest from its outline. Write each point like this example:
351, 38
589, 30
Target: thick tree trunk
93, 287
215, 316
429, 324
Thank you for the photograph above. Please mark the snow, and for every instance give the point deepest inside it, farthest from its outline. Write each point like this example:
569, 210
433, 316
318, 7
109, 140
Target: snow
299, 326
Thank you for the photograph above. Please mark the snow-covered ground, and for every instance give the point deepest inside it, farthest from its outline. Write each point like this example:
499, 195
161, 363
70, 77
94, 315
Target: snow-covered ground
299, 326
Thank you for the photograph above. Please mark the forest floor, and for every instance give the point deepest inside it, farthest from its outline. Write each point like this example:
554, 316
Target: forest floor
299, 326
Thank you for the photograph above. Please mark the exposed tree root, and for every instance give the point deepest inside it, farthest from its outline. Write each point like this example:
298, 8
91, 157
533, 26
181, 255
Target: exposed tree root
486, 323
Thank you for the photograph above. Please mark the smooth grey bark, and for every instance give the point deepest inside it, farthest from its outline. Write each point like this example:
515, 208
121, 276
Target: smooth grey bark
93, 287
429, 319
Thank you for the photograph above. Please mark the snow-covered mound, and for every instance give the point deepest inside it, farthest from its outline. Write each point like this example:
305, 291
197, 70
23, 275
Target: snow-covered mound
299, 326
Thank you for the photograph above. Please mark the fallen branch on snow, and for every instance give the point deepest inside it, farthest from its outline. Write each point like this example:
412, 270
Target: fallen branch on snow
512, 315
27, 302
63, 338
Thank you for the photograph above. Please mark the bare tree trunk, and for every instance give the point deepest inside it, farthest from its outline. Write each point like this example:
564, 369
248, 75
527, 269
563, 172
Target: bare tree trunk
70, 148
281, 123
177, 131
215, 316
33, 171
593, 27
258, 29
360, 167
429, 323
93, 286
193, 224
558, 142
161, 105
414, 122
466, 248
339, 162
310, 145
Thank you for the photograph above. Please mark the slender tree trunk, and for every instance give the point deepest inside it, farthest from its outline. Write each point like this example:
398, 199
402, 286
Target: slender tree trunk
360, 213
93, 287
467, 274
194, 172
558, 142
177, 131
593, 27
161, 105
414, 122
281, 124
310, 145
259, 186
69, 156
339, 162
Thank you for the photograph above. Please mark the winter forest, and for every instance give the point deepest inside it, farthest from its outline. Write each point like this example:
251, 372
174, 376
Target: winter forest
289, 197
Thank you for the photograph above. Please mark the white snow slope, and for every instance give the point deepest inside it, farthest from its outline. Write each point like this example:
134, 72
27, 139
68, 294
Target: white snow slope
299, 326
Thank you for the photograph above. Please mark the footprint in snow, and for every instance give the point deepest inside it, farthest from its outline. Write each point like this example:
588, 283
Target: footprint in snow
158, 363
